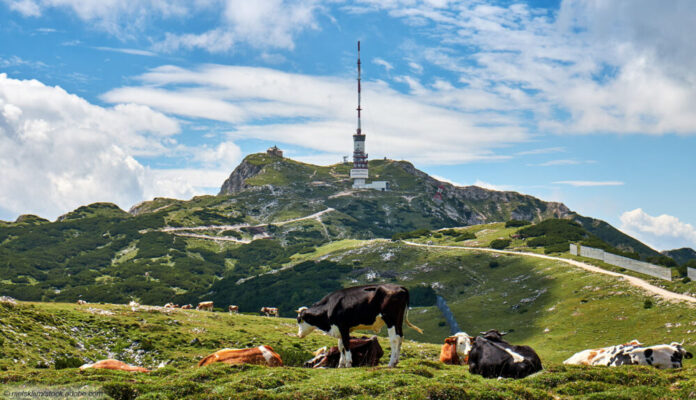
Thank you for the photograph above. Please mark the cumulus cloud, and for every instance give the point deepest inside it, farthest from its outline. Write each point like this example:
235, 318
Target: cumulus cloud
610, 67
318, 112
262, 24
268, 23
58, 151
663, 232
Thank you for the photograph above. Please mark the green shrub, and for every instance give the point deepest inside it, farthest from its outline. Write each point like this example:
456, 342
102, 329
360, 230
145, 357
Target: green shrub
68, 362
500, 244
422, 296
514, 223
563, 228
493, 264
647, 304
412, 234
465, 236
306, 250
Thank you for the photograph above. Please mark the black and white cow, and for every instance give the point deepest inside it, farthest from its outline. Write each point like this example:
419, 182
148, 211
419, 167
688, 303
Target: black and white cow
360, 307
492, 357
661, 356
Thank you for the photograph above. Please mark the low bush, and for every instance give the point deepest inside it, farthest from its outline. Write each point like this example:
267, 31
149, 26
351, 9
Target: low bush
500, 244
465, 236
514, 223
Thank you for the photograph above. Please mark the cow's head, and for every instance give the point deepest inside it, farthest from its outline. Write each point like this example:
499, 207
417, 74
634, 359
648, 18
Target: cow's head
303, 327
464, 344
680, 349
493, 335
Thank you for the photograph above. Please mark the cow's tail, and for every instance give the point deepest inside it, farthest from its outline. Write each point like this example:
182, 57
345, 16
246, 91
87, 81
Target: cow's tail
419, 330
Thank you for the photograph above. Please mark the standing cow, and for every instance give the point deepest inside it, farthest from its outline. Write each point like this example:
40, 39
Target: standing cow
359, 307
233, 309
205, 306
270, 311
492, 357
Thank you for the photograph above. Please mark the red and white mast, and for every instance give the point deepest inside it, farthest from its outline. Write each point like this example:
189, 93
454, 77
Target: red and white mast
359, 172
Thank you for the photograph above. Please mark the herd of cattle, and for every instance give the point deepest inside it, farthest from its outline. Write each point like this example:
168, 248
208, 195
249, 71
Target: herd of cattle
374, 306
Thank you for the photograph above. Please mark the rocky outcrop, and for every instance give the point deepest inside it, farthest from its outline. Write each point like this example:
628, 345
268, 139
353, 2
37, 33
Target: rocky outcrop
236, 182
514, 204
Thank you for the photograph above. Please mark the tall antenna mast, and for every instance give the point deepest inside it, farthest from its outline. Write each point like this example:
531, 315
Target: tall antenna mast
359, 132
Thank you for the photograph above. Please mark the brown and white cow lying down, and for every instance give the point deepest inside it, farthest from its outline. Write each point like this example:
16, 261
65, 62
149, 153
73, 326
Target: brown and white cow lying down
661, 356
262, 355
114, 364
366, 352
456, 349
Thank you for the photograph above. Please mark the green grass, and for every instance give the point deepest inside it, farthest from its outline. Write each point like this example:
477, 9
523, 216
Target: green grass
168, 336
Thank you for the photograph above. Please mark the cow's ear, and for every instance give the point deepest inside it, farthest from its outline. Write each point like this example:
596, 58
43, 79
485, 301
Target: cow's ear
688, 355
451, 340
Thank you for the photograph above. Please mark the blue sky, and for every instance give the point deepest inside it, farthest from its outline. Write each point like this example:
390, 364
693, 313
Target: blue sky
585, 102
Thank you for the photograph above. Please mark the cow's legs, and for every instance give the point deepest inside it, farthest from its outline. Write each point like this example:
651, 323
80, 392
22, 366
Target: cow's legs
395, 340
346, 359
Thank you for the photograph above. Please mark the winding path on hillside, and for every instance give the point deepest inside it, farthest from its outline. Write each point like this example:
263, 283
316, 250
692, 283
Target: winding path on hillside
185, 230
666, 294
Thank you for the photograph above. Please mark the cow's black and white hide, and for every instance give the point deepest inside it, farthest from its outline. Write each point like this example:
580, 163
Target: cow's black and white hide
359, 308
492, 357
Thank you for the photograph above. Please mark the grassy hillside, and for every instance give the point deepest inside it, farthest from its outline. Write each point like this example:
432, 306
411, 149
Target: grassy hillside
43, 343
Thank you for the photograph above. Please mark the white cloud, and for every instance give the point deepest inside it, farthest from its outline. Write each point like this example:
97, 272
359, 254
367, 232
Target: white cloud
446, 180
137, 52
385, 64
545, 150
320, 112
491, 186
556, 163
268, 23
589, 183
592, 67
58, 152
663, 232
263, 24
415, 67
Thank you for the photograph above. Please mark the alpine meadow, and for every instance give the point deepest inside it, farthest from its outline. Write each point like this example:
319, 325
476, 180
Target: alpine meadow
314, 199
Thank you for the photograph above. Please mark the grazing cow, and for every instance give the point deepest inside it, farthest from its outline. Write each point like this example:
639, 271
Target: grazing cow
187, 307
661, 356
365, 351
262, 355
205, 305
114, 364
81, 302
270, 311
492, 357
233, 309
456, 349
607, 356
359, 307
